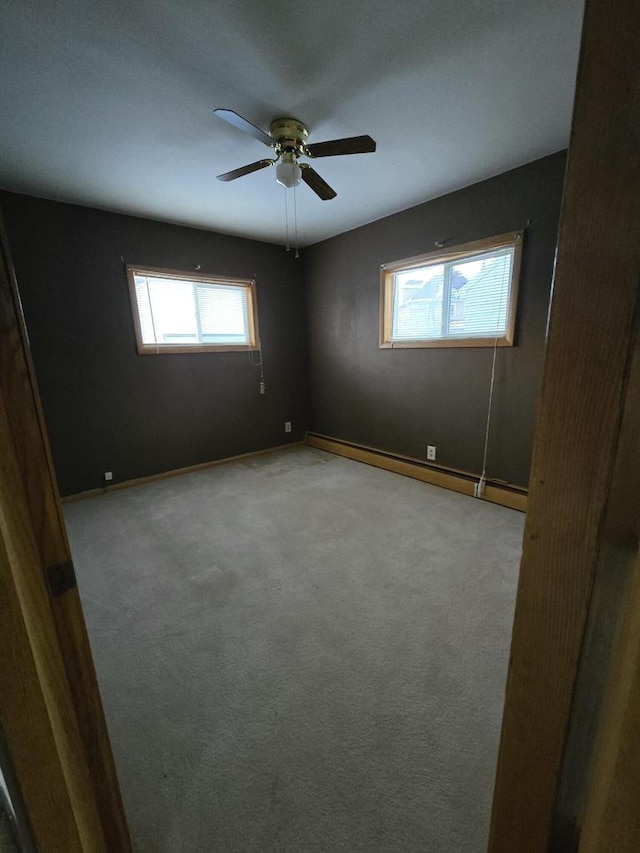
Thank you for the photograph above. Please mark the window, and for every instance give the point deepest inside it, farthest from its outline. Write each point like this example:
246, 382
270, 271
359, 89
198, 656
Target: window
465, 296
188, 312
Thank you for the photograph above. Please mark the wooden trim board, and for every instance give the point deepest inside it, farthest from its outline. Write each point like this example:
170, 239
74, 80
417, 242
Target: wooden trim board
457, 481
51, 711
175, 472
453, 253
612, 817
584, 389
36, 712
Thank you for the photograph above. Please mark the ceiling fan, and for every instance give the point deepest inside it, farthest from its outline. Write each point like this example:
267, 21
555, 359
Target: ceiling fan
288, 138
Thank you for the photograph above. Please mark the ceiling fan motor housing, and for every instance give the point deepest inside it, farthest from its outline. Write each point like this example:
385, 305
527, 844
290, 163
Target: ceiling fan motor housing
288, 134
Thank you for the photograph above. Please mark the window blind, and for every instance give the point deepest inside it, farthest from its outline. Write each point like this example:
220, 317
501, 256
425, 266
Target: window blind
180, 312
223, 313
466, 298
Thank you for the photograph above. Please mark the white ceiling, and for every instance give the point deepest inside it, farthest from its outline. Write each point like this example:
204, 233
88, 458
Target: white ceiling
109, 103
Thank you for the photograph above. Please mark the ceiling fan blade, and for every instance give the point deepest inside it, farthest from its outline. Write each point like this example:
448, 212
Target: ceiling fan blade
245, 170
245, 126
350, 145
318, 185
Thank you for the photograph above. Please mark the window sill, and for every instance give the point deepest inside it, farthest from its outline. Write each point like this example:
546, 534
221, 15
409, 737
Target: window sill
162, 349
447, 342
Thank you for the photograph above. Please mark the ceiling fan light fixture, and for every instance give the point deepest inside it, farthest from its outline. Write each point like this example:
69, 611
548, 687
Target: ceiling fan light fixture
288, 173
288, 138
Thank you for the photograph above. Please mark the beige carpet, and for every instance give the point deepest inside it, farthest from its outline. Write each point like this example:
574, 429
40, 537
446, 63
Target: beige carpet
300, 653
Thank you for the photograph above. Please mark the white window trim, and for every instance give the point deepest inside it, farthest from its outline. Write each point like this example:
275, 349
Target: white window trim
160, 348
387, 272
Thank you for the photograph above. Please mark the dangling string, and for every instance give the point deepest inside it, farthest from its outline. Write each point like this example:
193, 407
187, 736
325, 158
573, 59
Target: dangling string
153, 322
479, 488
483, 477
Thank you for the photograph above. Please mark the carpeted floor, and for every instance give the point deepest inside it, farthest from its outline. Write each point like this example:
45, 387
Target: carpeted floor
299, 654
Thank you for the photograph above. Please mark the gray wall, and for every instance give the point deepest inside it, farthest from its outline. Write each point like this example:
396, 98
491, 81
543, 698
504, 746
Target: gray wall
108, 408
402, 400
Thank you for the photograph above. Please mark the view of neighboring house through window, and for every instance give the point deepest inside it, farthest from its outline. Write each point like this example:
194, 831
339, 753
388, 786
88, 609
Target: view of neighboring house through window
178, 312
465, 296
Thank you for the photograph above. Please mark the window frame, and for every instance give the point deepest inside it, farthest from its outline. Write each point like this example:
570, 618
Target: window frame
162, 272
387, 272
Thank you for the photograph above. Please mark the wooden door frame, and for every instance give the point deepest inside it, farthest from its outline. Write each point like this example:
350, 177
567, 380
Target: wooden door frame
611, 816
592, 329
51, 712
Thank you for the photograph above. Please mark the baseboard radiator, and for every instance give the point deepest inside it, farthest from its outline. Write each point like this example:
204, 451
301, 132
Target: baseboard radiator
513, 497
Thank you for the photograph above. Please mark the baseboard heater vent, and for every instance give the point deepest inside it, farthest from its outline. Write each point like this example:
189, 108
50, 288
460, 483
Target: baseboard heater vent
448, 478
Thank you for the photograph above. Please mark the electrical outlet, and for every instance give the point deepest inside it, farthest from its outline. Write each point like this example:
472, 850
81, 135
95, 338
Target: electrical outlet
108, 476
287, 426
431, 452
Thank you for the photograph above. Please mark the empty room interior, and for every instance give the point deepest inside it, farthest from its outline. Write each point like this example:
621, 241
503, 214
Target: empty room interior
291, 411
